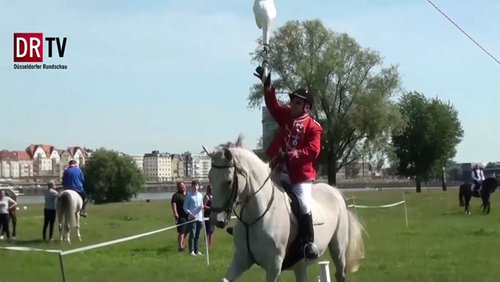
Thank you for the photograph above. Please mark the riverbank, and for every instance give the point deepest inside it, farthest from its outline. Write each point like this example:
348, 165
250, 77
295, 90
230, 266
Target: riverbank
171, 188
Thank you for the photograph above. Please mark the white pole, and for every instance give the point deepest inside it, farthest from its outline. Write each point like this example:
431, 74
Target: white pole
206, 241
324, 271
406, 210
354, 205
61, 264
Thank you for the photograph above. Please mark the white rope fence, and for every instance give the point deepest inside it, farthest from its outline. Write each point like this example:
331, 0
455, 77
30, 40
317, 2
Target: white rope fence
403, 202
62, 253
325, 275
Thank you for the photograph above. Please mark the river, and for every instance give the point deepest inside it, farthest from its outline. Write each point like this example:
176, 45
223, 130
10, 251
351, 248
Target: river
168, 195
140, 197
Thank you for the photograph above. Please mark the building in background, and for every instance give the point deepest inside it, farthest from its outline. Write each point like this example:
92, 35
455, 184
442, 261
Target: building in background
178, 167
139, 161
197, 166
157, 166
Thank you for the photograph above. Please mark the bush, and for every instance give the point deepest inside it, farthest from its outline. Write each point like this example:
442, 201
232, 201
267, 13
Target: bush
112, 177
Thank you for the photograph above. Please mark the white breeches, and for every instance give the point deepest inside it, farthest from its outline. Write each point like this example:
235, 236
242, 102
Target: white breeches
303, 192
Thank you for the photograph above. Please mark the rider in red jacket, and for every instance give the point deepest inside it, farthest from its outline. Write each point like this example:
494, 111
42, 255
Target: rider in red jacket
295, 149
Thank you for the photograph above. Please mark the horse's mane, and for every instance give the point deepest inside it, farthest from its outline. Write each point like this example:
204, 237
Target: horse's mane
238, 149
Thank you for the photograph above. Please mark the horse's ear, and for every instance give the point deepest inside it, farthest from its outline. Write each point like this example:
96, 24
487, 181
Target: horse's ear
239, 141
227, 154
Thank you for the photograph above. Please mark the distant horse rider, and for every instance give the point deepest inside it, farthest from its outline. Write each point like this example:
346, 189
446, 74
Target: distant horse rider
477, 179
294, 150
73, 179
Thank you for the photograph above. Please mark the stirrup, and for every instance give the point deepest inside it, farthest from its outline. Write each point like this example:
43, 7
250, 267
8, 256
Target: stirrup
311, 252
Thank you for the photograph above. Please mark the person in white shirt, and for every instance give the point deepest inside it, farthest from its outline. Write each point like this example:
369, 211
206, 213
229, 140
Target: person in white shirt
481, 172
193, 206
6, 204
476, 179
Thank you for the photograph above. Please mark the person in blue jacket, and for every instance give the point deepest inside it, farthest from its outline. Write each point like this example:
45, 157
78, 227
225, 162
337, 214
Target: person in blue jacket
73, 179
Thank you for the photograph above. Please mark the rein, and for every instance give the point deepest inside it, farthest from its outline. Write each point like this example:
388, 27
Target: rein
231, 203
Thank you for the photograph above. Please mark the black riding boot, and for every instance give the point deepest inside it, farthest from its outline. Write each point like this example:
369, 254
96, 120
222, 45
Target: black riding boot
83, 211
306, 225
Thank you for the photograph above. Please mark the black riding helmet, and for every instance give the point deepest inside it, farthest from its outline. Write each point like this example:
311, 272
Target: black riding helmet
303, 94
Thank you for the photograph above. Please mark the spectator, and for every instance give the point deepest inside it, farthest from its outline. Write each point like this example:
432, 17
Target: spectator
193, 206
49, 211
207, 203
6, 204
180, 216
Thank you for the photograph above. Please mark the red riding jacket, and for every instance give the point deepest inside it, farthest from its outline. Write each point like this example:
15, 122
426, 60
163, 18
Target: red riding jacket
300, 138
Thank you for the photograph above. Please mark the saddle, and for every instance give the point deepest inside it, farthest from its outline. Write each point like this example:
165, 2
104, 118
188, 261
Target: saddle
294, 252
294, 210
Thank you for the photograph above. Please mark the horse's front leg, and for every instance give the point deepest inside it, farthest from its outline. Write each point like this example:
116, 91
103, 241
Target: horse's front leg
273, 270
240, 264
466, 209
486, 205
301, 272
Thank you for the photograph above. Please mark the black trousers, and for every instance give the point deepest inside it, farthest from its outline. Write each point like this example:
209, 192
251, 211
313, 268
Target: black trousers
49, 218
477, 185
4, 224
83, 195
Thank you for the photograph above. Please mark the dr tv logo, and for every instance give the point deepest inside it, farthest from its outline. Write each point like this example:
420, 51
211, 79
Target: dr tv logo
29, 48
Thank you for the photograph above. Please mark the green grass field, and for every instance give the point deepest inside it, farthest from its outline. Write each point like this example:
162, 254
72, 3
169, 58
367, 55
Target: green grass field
440, 244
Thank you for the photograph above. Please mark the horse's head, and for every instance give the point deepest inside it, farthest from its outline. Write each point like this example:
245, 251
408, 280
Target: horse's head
223, 177
491, 184
228, 180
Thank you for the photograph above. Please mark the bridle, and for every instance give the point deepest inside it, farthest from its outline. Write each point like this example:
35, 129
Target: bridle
231, 202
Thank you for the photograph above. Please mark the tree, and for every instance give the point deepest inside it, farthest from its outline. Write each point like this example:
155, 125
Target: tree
112, 177
491, 165
429, 139
352, 89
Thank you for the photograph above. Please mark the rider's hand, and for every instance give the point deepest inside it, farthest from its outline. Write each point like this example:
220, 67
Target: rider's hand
283, 157
259, 72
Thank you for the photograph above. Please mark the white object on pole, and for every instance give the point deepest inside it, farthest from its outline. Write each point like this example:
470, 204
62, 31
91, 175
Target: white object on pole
324, 271
264, 12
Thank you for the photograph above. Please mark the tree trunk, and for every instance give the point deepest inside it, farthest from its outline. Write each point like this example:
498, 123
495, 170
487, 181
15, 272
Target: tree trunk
331, 169
418, 181
443, 180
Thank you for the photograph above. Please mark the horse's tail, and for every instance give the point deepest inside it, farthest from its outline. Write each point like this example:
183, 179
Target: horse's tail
67, 207
356, 246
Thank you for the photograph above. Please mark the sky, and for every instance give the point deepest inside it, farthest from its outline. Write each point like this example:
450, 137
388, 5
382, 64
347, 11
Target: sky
175, 75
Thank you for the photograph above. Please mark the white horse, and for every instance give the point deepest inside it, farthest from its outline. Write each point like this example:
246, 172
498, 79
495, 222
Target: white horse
68, 207
266, 230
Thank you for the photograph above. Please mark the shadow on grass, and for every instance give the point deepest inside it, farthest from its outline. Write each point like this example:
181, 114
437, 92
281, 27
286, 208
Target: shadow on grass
461, 212
483, 233
29, 242
158, 251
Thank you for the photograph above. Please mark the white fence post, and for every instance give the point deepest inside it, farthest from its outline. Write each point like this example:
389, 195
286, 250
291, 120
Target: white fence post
324, 271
